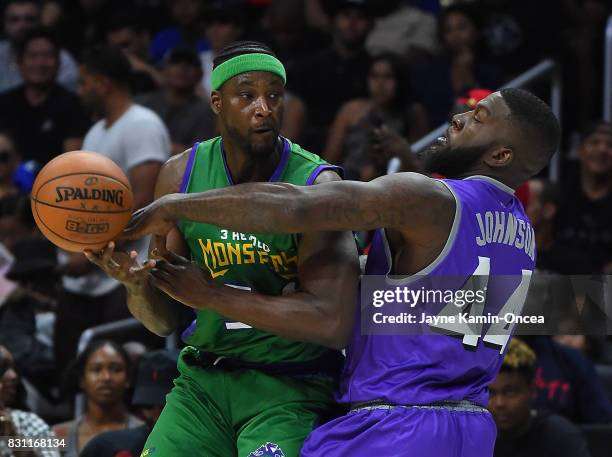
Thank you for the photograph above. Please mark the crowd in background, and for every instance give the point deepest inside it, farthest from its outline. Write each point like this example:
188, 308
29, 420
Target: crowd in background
365, 79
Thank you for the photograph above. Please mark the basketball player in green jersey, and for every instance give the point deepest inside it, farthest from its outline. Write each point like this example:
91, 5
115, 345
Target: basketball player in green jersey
243, 391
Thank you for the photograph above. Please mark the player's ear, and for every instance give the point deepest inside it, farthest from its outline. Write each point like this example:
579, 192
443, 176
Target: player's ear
215, 101
499, 157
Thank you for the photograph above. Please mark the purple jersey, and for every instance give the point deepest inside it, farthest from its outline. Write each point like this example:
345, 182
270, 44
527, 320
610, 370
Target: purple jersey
490, 237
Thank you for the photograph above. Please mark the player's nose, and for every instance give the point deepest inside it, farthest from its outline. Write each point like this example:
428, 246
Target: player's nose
457, 122
262, 108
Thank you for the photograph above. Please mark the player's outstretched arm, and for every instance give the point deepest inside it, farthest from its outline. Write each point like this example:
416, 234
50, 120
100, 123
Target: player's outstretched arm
321, 311
407, 202
158, 313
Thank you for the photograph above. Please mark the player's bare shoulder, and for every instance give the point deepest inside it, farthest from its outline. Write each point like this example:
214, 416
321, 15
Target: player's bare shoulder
327, 176
171, 174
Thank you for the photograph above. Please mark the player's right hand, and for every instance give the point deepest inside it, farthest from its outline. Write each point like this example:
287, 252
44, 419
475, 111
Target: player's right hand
122, 266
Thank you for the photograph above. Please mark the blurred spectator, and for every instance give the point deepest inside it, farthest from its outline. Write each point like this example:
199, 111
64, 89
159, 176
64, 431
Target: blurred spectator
16, 220
51, 13
156, 374
103, 372
544, 201
187, 15
45, 118
438, 81
9, 159
567, 383
135, 138
519, 33
330, 78
523, 432
127, 32
11, 391
581, 43
136, 350
402, 29
294, 119
316, 16
355, 141
20, 424
19, 17
20, 330
285, 29
585, 221
187, 116
223, 25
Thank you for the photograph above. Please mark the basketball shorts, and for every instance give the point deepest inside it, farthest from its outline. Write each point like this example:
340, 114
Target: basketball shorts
239, 413
405, 432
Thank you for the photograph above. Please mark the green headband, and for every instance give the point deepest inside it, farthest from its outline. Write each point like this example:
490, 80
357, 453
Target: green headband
244, 63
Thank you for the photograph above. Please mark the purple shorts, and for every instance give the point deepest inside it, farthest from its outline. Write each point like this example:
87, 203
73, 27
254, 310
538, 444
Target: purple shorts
404, 432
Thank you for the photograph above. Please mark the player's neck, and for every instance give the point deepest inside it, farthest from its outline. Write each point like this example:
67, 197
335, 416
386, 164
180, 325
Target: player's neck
105, 414
244, 167
596, 186
116, 106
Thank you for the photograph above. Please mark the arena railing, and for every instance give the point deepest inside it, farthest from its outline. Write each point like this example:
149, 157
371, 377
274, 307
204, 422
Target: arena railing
119, 330
607, 107
547, 69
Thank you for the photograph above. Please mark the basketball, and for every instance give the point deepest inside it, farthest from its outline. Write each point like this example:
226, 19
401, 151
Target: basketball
81, 200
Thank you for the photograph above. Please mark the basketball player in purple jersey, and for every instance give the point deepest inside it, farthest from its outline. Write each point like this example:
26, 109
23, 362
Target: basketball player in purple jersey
408, 395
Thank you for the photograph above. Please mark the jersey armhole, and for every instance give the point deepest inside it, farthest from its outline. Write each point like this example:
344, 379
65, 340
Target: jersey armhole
188, 169
320, 169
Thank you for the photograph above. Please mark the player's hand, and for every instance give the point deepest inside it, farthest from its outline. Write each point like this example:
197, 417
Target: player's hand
121, 266
183, 280
152, 219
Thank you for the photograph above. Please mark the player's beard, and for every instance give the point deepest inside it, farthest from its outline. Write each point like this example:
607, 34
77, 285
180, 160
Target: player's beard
252, 149
452, 161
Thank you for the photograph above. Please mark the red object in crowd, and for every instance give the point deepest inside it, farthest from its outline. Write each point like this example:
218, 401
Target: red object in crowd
473, 96
522, 193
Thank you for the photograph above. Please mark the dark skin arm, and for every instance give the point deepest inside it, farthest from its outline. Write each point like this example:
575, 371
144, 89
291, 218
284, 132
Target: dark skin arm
158, 312
321, 311
418, 207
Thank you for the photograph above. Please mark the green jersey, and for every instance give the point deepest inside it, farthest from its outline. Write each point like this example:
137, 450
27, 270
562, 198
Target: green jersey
265, 263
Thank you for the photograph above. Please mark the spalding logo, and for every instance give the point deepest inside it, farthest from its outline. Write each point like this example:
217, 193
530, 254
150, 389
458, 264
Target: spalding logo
74, 193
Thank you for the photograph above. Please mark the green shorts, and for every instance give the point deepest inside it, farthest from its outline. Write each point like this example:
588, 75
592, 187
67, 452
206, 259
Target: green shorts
240, 413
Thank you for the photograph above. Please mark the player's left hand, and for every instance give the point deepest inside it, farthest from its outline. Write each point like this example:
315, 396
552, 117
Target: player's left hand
152, 219
182, 280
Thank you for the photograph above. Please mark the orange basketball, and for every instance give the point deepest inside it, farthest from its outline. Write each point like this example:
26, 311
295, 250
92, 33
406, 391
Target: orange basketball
81, 200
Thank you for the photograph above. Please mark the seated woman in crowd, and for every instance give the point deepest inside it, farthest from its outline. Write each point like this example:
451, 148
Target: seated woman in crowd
439, 81
103, 373
356, 135
15, 422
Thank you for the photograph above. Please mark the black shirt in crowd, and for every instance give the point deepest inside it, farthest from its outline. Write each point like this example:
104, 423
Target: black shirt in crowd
567, 383
118, 443
586, 225
40, 131
546, 435
324, 82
